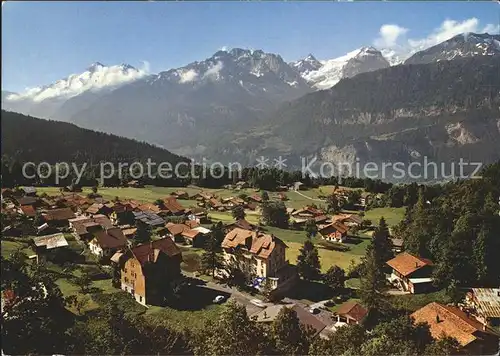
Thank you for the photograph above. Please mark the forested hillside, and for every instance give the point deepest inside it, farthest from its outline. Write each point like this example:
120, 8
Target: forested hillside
28, 139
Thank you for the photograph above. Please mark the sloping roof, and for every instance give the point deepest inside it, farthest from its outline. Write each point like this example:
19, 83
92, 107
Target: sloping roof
345, 217
256, 198
191, 233
172, 205
487, 301
176, 229
26, 200
191, 223
406, 264
51, 241
149, 252
320, 218
214, 202
242, 224
94, 208
352, 309
59, 214
449, 321
333, 227
149, 218
261, 245
110, 238
129, 231
148, 207
28, 210
81, 224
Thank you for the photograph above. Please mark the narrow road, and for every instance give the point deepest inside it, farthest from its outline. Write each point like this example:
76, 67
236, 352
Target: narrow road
305, 196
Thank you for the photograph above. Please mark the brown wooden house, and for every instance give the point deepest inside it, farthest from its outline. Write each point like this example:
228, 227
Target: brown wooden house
148, 269
411, 273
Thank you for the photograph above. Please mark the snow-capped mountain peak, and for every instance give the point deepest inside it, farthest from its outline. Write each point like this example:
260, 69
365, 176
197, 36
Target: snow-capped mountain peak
463, 45
96, 77
330, 71
95, 67
306, 65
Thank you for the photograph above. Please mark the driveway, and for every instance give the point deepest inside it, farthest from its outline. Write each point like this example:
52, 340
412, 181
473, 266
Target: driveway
235, 294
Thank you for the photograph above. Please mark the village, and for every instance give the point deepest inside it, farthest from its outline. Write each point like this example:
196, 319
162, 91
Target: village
229, 244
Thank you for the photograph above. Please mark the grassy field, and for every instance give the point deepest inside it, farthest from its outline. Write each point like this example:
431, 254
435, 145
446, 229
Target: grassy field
182, 319
328, 258
391, 215
412, 302
9, 247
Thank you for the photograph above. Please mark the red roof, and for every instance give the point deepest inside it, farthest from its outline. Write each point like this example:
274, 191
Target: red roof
172, 205
352, 309
148, 252
28, 210
111, 238
59, 214
406, 264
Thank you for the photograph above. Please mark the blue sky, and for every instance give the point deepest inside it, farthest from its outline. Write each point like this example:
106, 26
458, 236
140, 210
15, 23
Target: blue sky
46, 41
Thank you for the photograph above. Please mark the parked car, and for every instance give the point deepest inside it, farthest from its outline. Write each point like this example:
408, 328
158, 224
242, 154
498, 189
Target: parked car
219, 299
314, 310
257, 302
329, 303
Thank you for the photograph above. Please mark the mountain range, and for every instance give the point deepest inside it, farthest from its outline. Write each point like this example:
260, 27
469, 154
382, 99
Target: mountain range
243, 103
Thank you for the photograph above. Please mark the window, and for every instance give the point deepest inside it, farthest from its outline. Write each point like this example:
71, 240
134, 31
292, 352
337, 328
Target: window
140, 298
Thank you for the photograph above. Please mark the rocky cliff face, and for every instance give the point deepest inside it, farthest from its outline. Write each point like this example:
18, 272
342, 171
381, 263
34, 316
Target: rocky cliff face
441, 111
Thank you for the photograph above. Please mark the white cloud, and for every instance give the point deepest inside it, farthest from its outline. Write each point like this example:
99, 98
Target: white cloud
491, 29
389, 35
214, 71
101, 77
447, 30
188, 76
146, 67
392, 38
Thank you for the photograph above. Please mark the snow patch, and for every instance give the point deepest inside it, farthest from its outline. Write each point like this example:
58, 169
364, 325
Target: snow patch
186, 76
97, 76
214, 71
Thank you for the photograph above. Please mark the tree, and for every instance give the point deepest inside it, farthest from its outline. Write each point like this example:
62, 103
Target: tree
353, 198
267, 289
443, 346
34, 318
159, 203
231, 333
264, 195
143, 233
311, 228
308, 264
401, 330
346, 340
79, 303
334, 203
382, 244
274, 214
372, 280
211, 259
38, 220
238, 212
290, 337
335, 278
83, 282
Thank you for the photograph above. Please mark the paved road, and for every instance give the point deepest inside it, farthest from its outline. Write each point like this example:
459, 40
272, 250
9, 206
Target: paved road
324, 315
